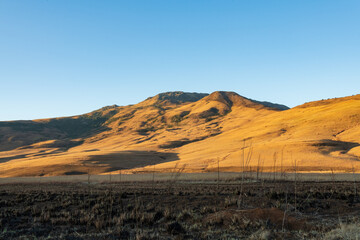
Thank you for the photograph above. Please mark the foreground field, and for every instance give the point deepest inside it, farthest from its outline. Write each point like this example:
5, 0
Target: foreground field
233, 177
234, 208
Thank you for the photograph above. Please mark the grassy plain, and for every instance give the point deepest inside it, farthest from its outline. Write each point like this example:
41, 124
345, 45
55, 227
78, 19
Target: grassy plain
181, 206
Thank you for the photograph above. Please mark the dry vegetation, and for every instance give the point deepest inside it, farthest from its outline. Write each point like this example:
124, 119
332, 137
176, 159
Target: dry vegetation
187, 129
180, 209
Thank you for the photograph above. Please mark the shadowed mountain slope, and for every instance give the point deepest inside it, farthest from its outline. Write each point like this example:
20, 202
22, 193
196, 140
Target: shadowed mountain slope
189, 130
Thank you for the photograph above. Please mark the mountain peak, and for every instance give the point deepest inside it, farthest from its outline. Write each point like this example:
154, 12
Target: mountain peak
228, 98
176, 97
234, 99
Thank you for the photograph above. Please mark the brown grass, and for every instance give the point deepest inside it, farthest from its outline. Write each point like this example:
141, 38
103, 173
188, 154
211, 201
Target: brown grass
321, 135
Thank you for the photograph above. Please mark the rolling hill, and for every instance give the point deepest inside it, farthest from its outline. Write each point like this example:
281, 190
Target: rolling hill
192, 131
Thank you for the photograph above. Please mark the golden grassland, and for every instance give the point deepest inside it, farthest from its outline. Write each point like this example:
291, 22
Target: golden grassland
197, 133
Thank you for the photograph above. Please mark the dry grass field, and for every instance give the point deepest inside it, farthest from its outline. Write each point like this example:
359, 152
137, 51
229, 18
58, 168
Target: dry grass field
180, 206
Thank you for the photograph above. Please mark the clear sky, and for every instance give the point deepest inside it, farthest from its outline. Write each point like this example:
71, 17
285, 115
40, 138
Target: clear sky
66, 57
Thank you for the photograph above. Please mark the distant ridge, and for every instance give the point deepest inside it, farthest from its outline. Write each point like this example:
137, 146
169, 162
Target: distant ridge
273, 105
329, 101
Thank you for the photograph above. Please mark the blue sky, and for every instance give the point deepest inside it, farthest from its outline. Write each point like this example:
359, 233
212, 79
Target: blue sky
65, 57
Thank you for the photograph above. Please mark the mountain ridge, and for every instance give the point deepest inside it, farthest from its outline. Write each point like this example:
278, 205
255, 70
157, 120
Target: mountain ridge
193, 129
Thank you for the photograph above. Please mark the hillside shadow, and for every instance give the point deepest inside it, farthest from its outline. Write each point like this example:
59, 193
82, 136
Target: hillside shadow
41, 153
326, 146
7, 159
25, 133
130, 159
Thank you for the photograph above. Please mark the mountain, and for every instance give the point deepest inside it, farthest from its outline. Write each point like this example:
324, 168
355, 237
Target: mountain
190, 130
173, 98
